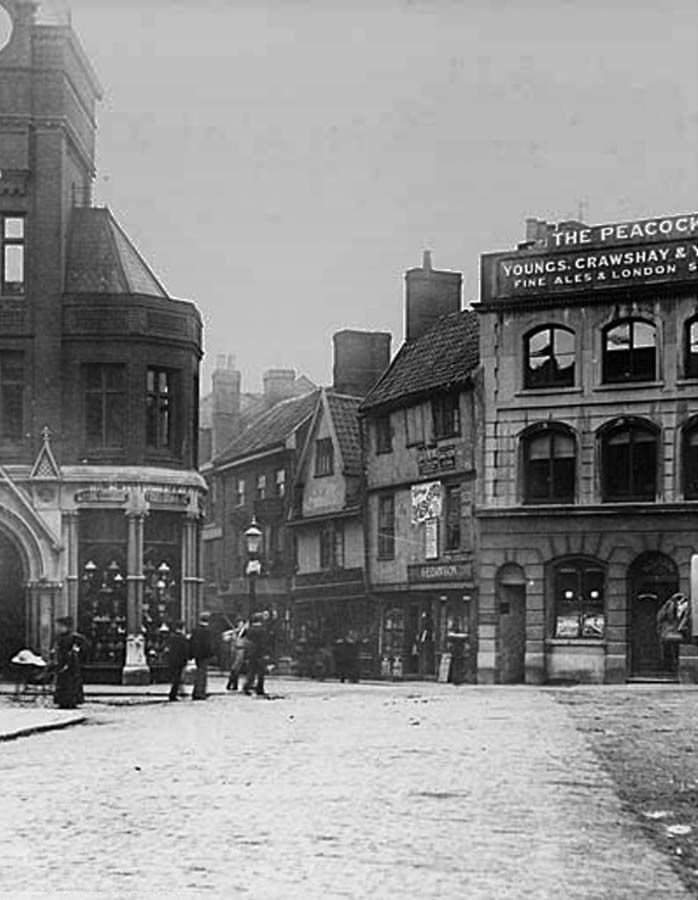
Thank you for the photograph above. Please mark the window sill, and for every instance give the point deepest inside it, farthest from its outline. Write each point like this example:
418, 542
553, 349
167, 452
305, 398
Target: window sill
627, 385
687, 381
547, 391
384, 452
576, 642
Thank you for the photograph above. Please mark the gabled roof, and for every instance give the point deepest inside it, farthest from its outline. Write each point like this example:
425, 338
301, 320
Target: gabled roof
440, 359
345, 418
272, 429
102, 260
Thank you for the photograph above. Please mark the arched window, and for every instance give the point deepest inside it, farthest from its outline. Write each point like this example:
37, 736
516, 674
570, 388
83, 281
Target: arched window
549, 358
691, 349
549, 465
629, 461
578, 596
690, 461
630, 351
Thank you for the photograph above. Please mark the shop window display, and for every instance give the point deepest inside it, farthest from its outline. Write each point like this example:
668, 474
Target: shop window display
161, 591
579, 600
102, 587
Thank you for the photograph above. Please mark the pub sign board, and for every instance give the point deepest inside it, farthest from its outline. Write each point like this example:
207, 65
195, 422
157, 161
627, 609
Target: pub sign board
599, 258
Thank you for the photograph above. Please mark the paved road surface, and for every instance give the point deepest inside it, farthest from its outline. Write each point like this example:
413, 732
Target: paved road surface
330, 791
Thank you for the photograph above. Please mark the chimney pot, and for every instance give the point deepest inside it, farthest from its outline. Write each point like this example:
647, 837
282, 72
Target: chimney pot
426, 260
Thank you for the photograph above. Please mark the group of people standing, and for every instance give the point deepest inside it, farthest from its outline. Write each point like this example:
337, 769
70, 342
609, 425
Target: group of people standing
250, 643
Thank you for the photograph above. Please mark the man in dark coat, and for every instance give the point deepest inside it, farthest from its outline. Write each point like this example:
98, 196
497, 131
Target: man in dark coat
257, 654
177, 658
68, 651
201, 651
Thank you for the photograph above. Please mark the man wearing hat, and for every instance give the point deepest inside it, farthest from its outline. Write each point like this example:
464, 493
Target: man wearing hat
201, 651
68, 651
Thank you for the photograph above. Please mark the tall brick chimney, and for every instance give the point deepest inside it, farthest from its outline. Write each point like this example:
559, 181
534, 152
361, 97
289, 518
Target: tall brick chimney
429, 295
225, 403
360, 358
279, 384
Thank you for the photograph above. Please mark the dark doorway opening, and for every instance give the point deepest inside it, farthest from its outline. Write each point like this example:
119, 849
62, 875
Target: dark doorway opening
13, 623
652, 579
511, 600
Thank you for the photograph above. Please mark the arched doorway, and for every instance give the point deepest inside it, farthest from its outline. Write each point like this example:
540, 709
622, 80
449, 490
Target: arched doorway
511, 610
652, 578
13, 625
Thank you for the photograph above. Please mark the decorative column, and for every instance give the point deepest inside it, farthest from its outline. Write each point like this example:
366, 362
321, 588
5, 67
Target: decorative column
71, 521
136, 669
190, 574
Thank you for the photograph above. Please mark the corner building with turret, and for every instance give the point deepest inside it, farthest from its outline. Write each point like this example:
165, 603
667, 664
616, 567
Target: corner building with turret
100, 499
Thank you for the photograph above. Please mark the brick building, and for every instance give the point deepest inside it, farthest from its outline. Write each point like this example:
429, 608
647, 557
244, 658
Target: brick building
420, 423
588, 501
99, 492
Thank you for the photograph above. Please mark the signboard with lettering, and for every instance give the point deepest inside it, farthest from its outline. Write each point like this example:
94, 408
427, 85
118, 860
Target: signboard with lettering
598, 258
643, 231
433, 572
433, 460
426, 501
107, 494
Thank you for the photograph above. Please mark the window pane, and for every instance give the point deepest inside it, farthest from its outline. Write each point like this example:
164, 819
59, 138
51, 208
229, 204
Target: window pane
11, 366
14, 227
618, 338
114, 378
114, 424
564, 445
14, 264
12, 411
538, 479
616, 469
540, 447
564, 342
563, 479
644, 469
643, 334
539, 348
690, 464
93, 420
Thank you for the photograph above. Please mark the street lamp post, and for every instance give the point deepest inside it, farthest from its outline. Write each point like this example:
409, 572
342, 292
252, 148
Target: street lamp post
253, 539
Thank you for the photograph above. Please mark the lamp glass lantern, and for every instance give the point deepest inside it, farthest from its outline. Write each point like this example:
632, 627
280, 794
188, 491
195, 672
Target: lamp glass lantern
253, 539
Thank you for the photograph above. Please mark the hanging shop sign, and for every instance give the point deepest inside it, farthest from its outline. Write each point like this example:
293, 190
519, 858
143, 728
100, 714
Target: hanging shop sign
433, 572
426, 501
433, 460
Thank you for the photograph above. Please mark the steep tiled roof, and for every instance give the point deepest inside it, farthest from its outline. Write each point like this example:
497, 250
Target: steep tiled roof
271, 429
102, 260
444, 356
345, 416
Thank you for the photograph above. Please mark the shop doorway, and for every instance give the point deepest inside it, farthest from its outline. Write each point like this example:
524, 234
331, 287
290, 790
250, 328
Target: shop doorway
652, 579
13, 623
511, 610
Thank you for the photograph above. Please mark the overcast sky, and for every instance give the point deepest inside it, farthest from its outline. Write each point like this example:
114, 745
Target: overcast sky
282, 163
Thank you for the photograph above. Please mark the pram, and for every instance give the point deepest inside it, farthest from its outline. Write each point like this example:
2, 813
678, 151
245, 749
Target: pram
33, 677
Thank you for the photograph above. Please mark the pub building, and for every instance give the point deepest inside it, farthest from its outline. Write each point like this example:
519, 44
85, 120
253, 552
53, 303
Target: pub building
588, 500
419, 438
100, 499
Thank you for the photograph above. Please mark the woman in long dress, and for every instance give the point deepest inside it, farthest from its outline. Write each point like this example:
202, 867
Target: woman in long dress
68, 648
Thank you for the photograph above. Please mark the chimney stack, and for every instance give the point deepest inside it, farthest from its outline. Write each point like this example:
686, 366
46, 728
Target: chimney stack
429, 295
225, 403
279, 384
360, 358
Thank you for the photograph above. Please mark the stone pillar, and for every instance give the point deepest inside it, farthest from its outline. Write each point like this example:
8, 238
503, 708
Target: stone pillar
136, 669
191, 580
72, 565
688, 664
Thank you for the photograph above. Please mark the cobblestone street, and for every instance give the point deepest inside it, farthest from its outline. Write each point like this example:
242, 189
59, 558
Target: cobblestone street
416, 791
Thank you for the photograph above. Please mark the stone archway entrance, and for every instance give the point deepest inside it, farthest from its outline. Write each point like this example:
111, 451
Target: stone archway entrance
13, 623
511, 607
652, 579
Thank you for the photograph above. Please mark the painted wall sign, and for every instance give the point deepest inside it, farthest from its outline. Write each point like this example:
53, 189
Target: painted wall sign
440, 572
432, 460
426, 501
529, 274
665, 228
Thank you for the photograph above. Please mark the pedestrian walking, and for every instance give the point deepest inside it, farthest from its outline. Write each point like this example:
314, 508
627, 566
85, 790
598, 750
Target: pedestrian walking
257, 654
240, 644
68, 651
201, 651
177, 658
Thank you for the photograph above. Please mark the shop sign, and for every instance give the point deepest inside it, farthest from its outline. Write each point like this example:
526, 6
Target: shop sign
426, 501
431, 537
642, 231
167, 498
432, 460
521, 275
440, 572
107, 494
